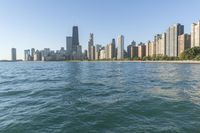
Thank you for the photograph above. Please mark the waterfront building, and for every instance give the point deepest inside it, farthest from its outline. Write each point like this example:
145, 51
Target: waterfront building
141, 50
91, 47
85, 54
107, 51
32, 54
110, 51
157, 39
113, 47
132, 51
69, 44
75, 39
27, 55
102, 54
172, 39
163, 45
149, 48
120, 49
195, 34
78, 55
159, 45
13, 54
184, 43
37, 56
97, 51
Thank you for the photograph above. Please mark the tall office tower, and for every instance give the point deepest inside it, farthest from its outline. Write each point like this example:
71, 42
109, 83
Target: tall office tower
32, 54
172, 39
90, 46
79, 52
110, 51
37, 56
195, 34
75, 39
69, 45
107, 51
184, 42
85, 54
120, 50
92, 52
113, 52
13, 54
97, 51
27, 56
102, 55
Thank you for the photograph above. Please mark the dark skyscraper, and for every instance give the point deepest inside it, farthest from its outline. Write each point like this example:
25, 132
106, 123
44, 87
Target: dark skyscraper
13, 54
75, 39
113, 48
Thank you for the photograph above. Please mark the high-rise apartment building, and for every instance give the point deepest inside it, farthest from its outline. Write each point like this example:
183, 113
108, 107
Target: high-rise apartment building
120, 49
149, 48
141, 50
132, 51
172, 39
160, 44
195, 34
184, 43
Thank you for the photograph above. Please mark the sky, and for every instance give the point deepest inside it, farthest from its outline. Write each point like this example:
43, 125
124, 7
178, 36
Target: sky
40, 24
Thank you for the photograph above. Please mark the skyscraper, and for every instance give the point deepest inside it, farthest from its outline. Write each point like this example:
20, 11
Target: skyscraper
13, 54
172, 39
27, 55
32, 54
69, 44
113, 52
132, 51
195, 34
141, 50
75, 39
97, 51
184, 42
91, 47
120, 50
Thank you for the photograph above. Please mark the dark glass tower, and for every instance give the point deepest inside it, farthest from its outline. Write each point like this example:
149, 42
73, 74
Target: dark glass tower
75, 39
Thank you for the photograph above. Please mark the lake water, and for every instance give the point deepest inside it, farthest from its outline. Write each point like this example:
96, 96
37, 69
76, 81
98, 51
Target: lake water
105, 97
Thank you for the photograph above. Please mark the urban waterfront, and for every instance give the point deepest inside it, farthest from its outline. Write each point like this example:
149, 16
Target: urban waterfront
57, 97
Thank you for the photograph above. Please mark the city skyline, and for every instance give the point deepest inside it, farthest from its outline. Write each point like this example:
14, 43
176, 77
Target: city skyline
21, 35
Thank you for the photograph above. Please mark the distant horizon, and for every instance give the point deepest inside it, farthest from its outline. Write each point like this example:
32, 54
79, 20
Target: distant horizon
38, 24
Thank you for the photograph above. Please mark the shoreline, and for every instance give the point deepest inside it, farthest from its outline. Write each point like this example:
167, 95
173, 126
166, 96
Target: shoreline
121, 61
129, 61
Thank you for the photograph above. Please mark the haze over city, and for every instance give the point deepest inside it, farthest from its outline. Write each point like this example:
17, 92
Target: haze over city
45, 24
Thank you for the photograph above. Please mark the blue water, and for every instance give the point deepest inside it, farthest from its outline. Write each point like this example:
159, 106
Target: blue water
84, 97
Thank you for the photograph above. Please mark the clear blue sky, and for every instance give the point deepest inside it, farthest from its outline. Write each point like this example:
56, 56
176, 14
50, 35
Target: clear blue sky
45, 23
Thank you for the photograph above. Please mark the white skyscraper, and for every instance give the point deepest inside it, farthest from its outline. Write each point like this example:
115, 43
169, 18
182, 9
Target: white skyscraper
120, 50
195, 34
